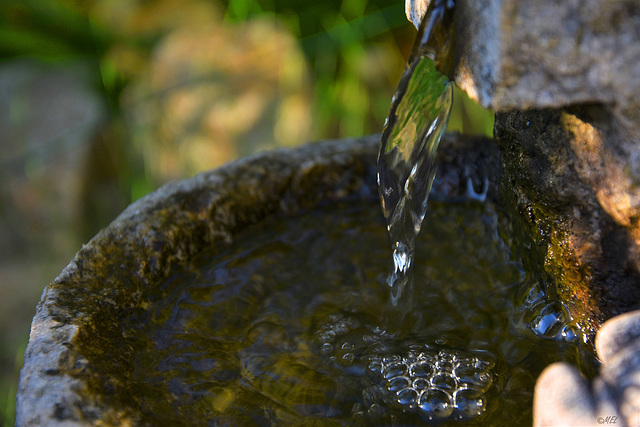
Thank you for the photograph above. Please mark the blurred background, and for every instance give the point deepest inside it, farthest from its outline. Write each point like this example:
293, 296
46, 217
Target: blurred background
103, 101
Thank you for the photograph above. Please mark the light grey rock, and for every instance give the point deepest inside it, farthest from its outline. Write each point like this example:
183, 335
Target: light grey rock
563, 397
547, 53
617, 334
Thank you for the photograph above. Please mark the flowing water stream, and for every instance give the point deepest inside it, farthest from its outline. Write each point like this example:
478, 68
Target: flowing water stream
407, 160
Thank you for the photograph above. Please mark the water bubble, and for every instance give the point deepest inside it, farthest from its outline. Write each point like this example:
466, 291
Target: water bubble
421, 384
326, 349
327, 336
444, 365
427, 358
435, 403
408, 397
374, 410
534, 294
484, 364
348, 358
444, 380
473, 372
394, 369
420, 369
480, 380
551, 320
398, 383
375, 366
347, 346
369, 338
570, 333
392, 358
469, 402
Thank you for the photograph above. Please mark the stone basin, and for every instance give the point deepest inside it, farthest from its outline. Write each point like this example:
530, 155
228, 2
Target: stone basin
78, 316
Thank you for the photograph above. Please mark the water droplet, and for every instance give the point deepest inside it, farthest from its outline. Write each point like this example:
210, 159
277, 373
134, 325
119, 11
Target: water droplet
436, 403
394, 369
420, 369
469, 402
408, 397
398, 383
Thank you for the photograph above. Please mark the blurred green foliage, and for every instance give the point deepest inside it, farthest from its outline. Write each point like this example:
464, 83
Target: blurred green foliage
336, 36
354, 49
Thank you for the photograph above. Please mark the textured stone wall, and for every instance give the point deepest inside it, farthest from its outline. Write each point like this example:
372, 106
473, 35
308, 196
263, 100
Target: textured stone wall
564, 79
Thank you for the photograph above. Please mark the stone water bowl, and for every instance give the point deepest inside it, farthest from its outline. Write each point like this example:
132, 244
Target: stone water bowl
79, 316
108, 278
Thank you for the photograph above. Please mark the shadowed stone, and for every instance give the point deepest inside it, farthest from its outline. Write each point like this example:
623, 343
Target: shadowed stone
564, 77
579, 202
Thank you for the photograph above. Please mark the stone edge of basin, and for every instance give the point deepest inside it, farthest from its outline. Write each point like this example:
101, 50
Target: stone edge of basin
170, 225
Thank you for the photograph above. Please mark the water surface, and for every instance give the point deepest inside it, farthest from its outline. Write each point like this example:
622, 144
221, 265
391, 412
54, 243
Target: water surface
283, 327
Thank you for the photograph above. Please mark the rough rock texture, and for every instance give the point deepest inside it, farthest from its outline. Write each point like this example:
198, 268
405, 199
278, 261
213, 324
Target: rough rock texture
564, 77
79, 318
563, 397
547, 53
579, 201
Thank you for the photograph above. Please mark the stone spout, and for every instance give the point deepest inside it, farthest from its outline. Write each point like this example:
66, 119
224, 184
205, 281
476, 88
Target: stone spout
549, 53
564, 80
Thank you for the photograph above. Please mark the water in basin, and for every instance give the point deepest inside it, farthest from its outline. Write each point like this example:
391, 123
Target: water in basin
283, 327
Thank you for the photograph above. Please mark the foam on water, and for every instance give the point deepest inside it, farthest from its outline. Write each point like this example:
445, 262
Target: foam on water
438, 384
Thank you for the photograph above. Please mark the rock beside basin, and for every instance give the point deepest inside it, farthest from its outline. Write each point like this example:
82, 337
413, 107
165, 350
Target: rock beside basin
564, 80
535, 54
563, 397
78, 321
